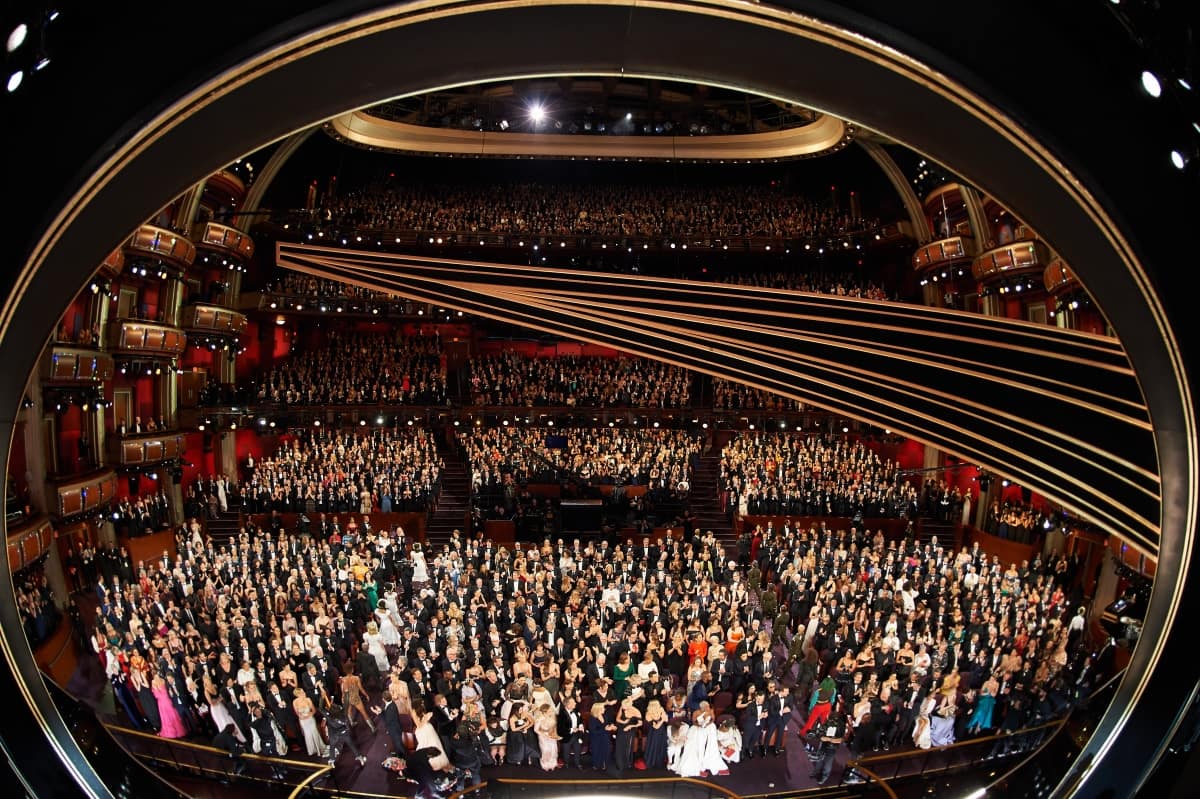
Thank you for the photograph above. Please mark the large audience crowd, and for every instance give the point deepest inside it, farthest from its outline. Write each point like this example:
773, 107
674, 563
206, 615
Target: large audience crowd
318, 471
785, 473
611, 211
357, 368
578, 381
675, 652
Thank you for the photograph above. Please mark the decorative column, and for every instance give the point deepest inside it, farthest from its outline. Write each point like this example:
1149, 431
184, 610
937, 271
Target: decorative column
977, 218
35, 448
188, 207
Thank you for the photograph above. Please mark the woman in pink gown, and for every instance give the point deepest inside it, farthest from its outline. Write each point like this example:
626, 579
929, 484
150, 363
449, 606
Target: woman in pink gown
172, 727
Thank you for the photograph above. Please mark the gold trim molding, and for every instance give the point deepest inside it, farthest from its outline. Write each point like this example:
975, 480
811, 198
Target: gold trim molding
825, 135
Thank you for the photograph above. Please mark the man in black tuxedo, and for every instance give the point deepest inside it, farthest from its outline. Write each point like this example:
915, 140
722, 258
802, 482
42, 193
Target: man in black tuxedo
570, 730
391, 722
754, 721
779, 713
597, 669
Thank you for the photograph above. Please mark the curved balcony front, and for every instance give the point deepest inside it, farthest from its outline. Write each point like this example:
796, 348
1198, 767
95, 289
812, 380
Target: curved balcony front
229, 242
113, 263
146, 338
84, 494
145, 448
226, 185
205, 318
1059, 278
943, 252
28, 540
67, 364
1011, 259
156, 242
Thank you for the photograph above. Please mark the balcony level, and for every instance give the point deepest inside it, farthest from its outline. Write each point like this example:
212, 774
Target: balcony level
1016, 259
28, 540
1059, 278
150, 241
224, 241
146, 338
942, 253
81, 495
63, 363
205, 318
145, 448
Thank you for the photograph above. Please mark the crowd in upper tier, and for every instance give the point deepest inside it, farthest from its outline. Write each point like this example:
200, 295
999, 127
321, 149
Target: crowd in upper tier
584, 382
655, 458
355, 368
551, 209
389, 469
786, 473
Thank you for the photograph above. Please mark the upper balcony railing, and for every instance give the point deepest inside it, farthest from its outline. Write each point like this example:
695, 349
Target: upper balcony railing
146, 448
84, 494
28, 540
64, 363
944, 252
146, 338
1010, 259
205, 318
1059, 278
157, 242
226, 240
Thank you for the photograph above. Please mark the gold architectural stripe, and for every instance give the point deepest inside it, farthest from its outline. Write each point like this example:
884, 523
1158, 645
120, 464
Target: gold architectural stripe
618, 320
360, 127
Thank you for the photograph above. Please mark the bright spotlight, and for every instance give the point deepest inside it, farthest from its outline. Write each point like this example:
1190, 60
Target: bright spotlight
16, 37
537, 113
628, 116
1151, 84
14, 80
1178, 159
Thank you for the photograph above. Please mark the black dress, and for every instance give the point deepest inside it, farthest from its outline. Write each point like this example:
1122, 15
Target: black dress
623, 746
149, 705
655, 754
517, 748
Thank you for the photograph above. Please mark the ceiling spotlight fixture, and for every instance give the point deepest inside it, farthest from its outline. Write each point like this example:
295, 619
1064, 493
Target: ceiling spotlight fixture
16, 37
1178, 159
14, 80
1150, 84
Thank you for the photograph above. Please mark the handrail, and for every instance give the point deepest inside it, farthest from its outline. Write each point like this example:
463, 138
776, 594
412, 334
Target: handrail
876, 780
908, 754
1007, 775
117, 729
1057, 724
639, 781
304, 784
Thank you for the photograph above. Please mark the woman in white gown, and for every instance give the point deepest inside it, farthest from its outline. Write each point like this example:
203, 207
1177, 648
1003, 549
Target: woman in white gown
373, 643
420, 569
701, 755
387, 627
921, 732
427, 735
217, 710
306, 712
941, 722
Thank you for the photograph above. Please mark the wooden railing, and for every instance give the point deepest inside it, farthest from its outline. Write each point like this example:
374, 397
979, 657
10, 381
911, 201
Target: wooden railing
146, 338
162, 243
64, 363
